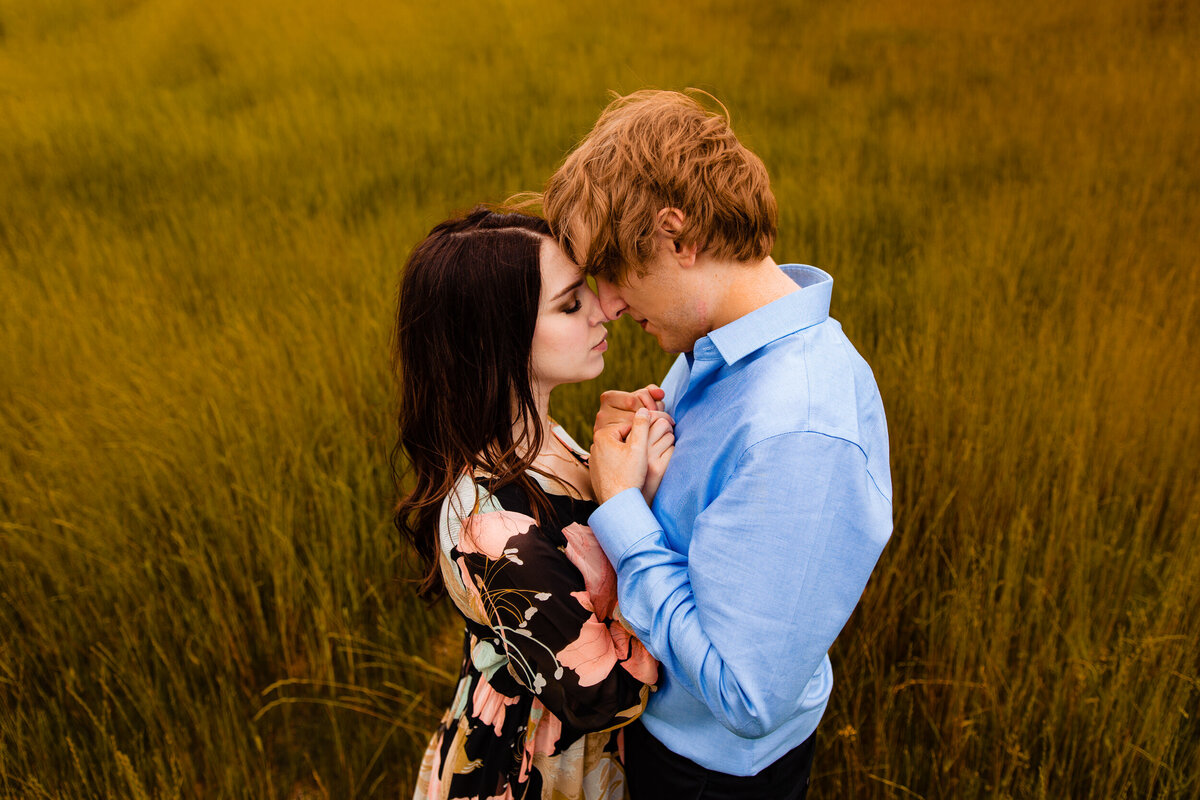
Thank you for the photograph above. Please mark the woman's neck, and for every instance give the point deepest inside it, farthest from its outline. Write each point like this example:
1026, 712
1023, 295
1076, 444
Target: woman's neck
541, 399
555, 457
541, 404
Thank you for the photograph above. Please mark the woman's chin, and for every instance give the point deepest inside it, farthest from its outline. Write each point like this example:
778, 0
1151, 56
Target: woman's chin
594, 372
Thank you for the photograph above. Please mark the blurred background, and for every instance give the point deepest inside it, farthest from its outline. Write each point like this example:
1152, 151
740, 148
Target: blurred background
204, 208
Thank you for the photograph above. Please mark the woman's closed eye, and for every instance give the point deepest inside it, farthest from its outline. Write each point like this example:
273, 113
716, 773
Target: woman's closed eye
573, 307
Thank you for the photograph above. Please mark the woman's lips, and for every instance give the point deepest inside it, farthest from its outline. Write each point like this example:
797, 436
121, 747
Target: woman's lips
600, 348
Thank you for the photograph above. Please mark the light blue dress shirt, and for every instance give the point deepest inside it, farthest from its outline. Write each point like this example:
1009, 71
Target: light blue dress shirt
768, 522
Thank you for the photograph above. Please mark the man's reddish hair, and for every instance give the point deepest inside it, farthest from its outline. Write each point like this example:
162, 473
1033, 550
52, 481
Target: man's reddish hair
652, 150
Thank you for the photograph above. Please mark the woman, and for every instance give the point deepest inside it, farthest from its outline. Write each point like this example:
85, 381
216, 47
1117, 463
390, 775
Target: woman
492, 316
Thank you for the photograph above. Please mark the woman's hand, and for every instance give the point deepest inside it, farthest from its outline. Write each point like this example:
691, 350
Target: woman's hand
617, 408
659, 449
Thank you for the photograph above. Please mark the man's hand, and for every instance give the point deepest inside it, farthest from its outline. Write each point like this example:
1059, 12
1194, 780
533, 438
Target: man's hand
619, 456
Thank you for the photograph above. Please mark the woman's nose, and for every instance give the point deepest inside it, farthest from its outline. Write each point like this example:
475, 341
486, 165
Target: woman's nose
596, 315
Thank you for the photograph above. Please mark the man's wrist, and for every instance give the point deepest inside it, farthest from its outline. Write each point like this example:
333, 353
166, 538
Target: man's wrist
621, 521
604, 492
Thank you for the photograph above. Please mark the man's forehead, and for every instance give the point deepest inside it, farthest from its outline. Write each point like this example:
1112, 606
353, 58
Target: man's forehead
580, 243
579, 240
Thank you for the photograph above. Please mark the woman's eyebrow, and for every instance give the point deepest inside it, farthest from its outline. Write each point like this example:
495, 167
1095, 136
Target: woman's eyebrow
570, 288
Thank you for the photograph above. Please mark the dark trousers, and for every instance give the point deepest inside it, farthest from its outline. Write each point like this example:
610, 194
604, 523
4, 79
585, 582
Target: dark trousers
652, 772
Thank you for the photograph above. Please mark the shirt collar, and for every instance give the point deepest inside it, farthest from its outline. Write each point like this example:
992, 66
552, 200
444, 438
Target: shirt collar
790, 313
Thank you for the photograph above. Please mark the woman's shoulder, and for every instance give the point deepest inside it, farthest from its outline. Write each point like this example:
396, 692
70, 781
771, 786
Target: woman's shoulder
473, 519
480, 493
473, 495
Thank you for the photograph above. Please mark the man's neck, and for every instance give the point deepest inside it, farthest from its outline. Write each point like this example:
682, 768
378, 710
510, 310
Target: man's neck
740, 288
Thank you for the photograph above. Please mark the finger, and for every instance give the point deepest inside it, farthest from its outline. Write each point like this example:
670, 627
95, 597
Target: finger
657, 415
661, 445
651, 397
615, 432
639, 433
610, 416
659, 427
620, 401
654, 398
656, 458
647, 402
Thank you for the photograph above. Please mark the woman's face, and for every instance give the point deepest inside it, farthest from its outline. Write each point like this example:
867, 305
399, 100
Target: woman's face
569, 339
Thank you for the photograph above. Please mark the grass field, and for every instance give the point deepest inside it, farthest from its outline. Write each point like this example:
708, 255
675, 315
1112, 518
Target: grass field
203, 210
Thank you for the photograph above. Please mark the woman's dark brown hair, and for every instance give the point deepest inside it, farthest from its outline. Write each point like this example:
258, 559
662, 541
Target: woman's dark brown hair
467, 309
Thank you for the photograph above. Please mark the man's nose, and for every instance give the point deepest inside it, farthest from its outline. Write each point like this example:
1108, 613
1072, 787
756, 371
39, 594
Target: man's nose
610, 299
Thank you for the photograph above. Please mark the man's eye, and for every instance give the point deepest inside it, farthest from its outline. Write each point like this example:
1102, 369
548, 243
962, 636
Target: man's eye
571, 309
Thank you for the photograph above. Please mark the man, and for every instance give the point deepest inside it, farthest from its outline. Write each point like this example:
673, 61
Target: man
777, 501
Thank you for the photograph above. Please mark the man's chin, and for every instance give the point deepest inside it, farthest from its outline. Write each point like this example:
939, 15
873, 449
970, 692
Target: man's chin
667, 345
672, 347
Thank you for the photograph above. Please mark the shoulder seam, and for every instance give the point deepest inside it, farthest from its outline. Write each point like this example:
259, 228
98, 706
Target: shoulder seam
809, 431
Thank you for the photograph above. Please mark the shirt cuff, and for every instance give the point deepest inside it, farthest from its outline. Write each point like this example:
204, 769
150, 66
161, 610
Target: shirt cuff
621, 522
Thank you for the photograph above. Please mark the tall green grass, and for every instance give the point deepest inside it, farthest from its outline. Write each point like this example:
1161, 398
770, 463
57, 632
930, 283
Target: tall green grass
203, 210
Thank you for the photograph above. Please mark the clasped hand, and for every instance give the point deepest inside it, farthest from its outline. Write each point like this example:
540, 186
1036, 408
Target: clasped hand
634, 439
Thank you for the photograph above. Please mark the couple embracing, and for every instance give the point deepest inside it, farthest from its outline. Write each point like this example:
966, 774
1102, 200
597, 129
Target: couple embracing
651, 619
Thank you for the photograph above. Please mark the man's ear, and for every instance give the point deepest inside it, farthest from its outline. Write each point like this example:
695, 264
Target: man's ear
670, 225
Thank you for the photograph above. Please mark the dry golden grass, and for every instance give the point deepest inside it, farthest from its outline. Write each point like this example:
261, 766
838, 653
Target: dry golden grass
203, 208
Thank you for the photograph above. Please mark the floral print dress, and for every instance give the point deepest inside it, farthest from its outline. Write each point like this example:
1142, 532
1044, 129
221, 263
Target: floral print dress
550, 672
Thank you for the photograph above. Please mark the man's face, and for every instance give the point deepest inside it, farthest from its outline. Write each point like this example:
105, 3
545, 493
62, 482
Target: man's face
661, 301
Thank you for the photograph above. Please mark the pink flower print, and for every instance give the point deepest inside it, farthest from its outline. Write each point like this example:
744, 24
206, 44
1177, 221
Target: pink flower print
489, 705
591, 655
598, 575
584, 599
489, 533
638, 662
545, 729
549, 729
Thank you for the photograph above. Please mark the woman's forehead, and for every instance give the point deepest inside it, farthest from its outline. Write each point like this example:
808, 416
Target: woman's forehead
558, 271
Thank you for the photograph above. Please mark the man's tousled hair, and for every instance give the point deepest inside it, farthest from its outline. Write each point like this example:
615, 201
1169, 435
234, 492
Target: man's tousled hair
652, 150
